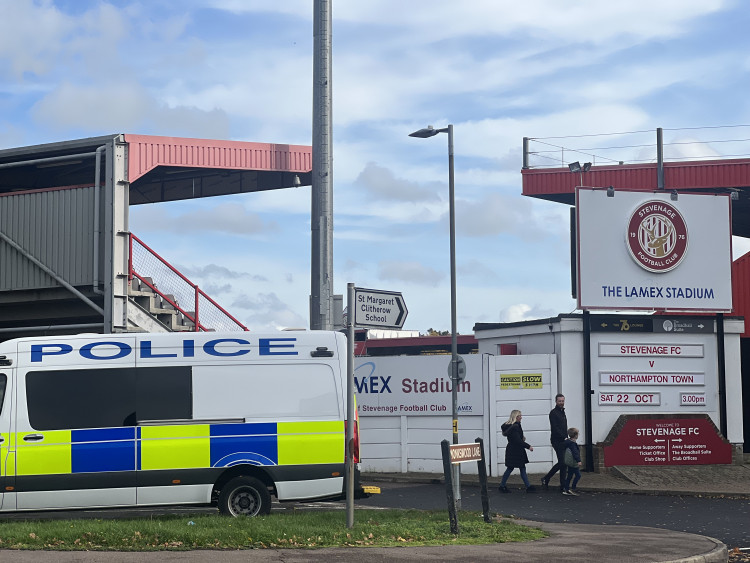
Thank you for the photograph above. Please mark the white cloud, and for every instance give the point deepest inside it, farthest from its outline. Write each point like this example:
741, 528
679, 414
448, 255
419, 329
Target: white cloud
299, 8
116, 108
412, 272
213, 271
269, 312
275, 87
381, 183
497, 213
524, 312
31, 35
220, 218
477, 271
587, 20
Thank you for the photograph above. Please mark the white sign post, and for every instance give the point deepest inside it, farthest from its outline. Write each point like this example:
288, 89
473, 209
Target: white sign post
374, 308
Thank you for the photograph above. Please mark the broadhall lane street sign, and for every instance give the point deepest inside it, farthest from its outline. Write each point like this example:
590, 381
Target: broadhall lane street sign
374, 308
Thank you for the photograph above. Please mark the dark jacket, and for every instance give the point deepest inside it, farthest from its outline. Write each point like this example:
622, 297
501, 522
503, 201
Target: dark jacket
573, 447
515, 452
558, 426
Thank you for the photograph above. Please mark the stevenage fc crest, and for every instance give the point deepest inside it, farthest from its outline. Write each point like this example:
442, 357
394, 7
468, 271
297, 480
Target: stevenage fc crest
657, 236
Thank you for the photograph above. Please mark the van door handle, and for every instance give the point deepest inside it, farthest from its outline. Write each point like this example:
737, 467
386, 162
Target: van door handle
33, 438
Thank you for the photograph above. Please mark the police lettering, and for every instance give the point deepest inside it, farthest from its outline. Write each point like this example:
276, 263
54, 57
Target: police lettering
115, 350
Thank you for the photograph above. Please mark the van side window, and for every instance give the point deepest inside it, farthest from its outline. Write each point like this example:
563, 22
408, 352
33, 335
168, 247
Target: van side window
164, 393
105, 398
94, 398
3, 384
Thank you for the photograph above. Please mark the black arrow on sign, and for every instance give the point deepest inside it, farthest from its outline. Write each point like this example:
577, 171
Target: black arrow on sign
402, 312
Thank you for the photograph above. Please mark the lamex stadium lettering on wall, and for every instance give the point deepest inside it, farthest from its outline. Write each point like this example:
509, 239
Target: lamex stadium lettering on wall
652, 292
114, 350
377, 384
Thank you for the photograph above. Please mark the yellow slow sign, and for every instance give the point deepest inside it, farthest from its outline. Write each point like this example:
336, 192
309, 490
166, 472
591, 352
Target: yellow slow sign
520, 381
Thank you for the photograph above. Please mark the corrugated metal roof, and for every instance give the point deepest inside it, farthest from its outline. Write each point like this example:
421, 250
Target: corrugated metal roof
146, 152
550, 183
161, 168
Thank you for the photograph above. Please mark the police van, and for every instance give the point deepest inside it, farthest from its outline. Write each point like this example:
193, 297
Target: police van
179, 418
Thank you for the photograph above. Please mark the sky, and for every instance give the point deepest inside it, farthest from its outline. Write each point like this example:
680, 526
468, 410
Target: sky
587, 76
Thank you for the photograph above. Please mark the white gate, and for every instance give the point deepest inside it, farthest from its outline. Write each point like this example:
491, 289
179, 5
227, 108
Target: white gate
404, 406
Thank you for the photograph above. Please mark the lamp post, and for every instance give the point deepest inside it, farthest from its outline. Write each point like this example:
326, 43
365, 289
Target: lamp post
430, 131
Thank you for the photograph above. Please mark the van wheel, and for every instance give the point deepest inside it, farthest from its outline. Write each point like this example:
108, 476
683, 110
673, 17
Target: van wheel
244, 496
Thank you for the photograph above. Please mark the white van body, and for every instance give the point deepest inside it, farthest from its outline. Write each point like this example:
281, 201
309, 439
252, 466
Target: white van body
155, 419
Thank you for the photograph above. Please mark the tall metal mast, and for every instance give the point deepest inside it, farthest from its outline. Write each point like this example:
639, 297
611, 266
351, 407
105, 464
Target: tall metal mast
321, 217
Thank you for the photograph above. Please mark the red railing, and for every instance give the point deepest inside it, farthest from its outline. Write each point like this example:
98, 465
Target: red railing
182, 294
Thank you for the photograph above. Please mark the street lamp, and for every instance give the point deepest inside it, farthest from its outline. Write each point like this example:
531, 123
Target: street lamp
430, 131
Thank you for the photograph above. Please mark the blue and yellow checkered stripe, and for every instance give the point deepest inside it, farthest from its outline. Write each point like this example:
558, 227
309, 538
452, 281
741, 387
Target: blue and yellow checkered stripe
191, 446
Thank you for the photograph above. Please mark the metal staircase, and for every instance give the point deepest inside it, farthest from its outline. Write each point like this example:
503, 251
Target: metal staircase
161, 299
150, 312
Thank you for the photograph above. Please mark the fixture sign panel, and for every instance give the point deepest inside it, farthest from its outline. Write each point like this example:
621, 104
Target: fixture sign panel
644, 250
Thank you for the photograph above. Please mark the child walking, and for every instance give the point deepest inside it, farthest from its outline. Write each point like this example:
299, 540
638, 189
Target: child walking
573, 461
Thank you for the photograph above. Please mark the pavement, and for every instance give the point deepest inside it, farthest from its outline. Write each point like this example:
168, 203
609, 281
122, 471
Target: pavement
565, 543
695, 480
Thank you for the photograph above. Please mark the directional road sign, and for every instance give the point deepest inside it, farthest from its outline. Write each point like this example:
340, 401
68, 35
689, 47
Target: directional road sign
374, 308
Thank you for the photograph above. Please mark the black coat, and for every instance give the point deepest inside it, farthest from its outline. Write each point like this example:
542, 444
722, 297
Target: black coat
558, 426
515, 452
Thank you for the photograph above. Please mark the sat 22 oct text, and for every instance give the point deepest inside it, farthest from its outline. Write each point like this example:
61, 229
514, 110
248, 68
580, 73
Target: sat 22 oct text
629, 398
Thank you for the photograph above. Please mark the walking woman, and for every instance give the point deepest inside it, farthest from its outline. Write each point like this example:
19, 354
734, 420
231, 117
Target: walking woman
515, 452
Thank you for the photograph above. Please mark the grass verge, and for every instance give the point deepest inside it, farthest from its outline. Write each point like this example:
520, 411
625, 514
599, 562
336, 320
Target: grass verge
296, 530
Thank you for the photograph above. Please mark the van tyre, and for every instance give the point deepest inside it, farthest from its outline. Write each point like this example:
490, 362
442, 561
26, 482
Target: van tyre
244, 496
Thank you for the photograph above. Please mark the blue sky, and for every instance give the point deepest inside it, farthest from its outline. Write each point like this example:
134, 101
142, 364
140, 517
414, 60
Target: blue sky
498, 70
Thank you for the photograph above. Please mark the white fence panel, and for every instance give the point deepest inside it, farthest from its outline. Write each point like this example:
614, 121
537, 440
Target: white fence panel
395, 442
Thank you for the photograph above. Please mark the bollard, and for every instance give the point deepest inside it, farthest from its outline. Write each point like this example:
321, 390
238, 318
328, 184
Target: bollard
482, 468
447, 469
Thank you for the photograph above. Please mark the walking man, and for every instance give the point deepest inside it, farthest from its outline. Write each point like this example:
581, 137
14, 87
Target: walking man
558, 426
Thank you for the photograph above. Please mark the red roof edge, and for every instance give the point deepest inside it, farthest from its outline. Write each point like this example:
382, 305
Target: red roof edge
419, 341
146, 152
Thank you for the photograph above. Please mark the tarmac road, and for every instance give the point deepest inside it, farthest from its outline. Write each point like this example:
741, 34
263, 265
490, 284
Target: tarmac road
726, 519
